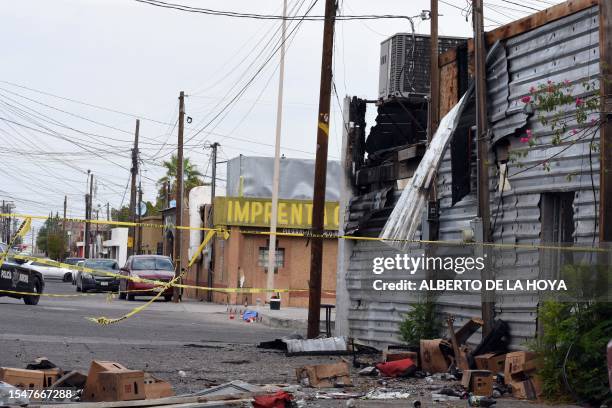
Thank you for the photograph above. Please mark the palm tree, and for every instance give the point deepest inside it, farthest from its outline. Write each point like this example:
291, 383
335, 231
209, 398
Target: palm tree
192, 177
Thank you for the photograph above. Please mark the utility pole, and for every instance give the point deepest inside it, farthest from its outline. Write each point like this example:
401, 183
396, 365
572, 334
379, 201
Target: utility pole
482, 137
276, 175
139, 235
107, 211
4, 223
179, 195
434, 115
64, 222
213, 189
318, 208
87, 217
134, 171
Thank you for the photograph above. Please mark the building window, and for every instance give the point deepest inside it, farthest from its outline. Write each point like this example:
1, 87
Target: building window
263, 257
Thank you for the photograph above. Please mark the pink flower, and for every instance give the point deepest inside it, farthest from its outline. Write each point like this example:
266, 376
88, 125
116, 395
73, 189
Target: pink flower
574, 132
529, 133
579, 102
524, 140
549, 82
526, 99
532, 90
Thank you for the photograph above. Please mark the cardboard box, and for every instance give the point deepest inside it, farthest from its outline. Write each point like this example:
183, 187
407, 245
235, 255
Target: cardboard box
515, 362
91, 386
156, 388
324, 375
432, 359
51, 375
524, 390
24, 379
394, 355
491, 361
479, 382
120, 385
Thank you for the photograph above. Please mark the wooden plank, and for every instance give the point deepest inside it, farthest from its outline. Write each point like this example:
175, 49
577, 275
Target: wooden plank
539, 19
449, 87
160, 402
605, 142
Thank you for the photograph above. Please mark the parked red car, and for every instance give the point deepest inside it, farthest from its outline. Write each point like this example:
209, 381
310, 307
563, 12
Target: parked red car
155, 267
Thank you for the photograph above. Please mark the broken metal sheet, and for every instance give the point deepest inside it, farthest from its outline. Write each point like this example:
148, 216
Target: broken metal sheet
230, 388
405, 218
313, 346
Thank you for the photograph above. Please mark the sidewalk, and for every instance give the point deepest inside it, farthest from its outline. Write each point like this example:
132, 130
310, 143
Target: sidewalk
295, 318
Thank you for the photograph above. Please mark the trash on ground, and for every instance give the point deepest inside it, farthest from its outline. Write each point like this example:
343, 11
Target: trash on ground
235, 387
432, 358
316, 346
479, 401
8, 393
324, 375
280, 399
156, 388
22, 378
397, 368
479, 382
385, 394
368, 371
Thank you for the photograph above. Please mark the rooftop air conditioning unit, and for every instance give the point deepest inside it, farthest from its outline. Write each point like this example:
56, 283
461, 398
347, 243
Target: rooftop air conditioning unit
404, 64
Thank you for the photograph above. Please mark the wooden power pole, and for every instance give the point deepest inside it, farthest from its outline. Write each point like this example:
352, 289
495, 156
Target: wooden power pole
213, 191
318, 208
179, 195
482, 137
434, 115
134, 171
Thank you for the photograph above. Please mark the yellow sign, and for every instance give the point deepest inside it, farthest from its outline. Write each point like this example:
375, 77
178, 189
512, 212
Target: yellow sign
256, 212
130, 242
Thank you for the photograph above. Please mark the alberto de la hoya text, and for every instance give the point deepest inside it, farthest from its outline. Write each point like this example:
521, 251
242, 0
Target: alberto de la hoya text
459, 265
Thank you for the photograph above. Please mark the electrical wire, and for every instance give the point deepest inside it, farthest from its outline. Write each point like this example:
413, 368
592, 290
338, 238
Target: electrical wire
305, 17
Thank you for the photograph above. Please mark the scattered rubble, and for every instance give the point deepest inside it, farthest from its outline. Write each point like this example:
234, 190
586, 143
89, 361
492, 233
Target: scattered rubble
430, 373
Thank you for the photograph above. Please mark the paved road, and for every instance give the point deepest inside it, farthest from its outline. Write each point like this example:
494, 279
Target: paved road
163, 339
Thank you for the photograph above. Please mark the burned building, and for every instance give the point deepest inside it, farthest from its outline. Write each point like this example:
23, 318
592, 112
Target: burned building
539, 193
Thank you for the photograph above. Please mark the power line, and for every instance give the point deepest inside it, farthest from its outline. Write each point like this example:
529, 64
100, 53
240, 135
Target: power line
306, 17
252, 79
521, 5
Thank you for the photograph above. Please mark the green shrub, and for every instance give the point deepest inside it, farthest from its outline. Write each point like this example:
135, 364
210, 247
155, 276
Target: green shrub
578, 332
420, 323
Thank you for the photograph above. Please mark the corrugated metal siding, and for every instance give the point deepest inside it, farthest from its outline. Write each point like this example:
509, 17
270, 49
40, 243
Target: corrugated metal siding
565, 49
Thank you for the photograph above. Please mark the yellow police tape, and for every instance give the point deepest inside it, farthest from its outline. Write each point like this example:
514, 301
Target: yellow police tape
109, 222
23, 229
106, 321
225, 233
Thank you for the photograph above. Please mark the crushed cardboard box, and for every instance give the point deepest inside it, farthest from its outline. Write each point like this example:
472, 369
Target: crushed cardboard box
324, 375
156, 388
432, 358
22, 378
493, 362
479, 382
100, 388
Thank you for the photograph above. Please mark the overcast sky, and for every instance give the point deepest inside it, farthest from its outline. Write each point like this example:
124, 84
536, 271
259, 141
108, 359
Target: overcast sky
133, 59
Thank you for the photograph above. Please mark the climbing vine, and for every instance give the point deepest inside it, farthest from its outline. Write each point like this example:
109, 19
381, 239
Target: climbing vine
569, 118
